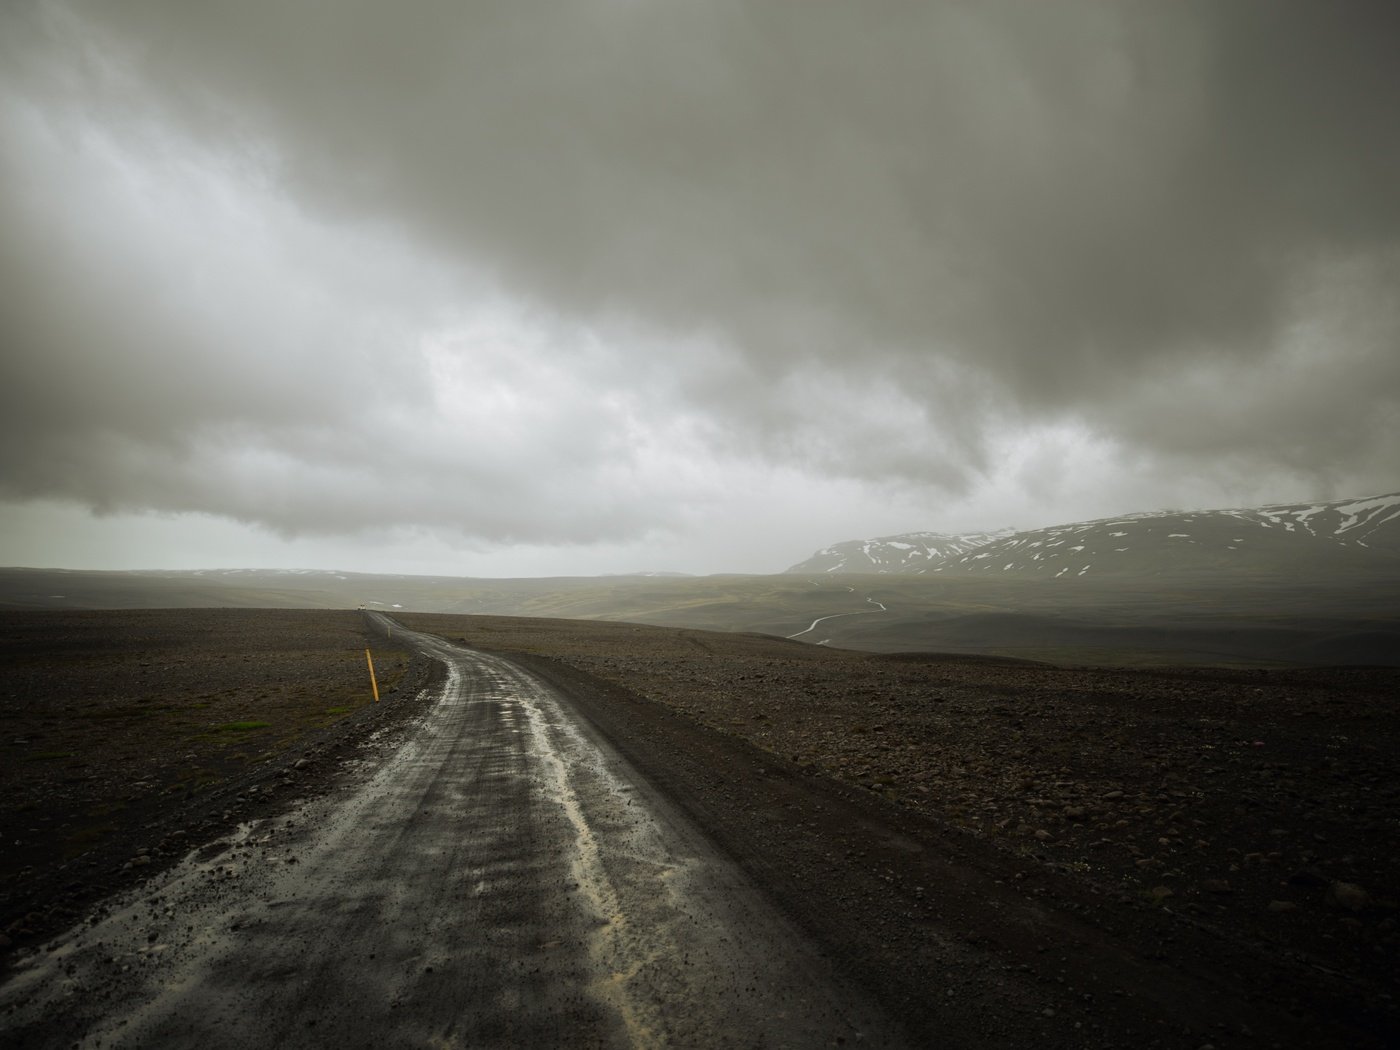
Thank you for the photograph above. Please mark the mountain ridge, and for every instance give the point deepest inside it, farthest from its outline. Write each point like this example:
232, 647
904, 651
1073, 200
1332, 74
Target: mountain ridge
1344, 535
896, 553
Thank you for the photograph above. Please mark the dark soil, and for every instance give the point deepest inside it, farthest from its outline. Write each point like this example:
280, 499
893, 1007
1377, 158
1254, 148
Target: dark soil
1155, 858
1240, 827
130, 736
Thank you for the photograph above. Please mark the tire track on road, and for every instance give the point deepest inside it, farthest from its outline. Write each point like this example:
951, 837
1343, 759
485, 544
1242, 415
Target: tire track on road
502, 879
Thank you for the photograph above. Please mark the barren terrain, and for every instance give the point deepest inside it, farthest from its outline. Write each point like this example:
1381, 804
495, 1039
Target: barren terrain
1000, 850
130, 735
1296, 618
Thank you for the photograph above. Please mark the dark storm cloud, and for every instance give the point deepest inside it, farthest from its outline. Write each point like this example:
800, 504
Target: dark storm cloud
894, 229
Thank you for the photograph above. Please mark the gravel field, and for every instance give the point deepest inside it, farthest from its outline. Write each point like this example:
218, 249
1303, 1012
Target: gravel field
1243, 824
129, 734
1263, 805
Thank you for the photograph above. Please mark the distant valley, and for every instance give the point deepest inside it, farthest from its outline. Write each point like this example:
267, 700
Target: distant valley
1314, 584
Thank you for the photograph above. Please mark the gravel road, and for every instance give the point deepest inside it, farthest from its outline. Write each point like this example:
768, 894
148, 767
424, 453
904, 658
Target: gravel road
503, 879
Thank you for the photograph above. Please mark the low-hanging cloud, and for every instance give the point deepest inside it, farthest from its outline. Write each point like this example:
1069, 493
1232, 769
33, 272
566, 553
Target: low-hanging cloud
865, 239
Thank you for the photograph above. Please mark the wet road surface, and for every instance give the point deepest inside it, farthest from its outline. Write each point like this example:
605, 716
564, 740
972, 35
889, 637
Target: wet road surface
501, 879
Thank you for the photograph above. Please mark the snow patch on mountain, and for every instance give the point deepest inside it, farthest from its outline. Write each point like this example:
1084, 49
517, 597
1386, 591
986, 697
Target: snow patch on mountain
1274, 538
910, 552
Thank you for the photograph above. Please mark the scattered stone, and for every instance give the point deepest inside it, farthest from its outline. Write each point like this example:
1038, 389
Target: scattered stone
1148, 734
1308, 877
1347, 895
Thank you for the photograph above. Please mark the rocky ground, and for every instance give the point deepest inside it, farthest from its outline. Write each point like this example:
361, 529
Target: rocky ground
1264, 803
129, 735
1261, 805
1247, 819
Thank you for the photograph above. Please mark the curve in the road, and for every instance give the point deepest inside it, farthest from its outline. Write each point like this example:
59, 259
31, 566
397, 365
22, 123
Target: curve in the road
836, 616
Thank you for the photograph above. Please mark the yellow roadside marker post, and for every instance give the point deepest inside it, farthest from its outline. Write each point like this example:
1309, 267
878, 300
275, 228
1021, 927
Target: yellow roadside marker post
372, 683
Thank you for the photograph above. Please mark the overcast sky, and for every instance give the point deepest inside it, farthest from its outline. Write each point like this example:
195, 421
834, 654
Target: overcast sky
610, 285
